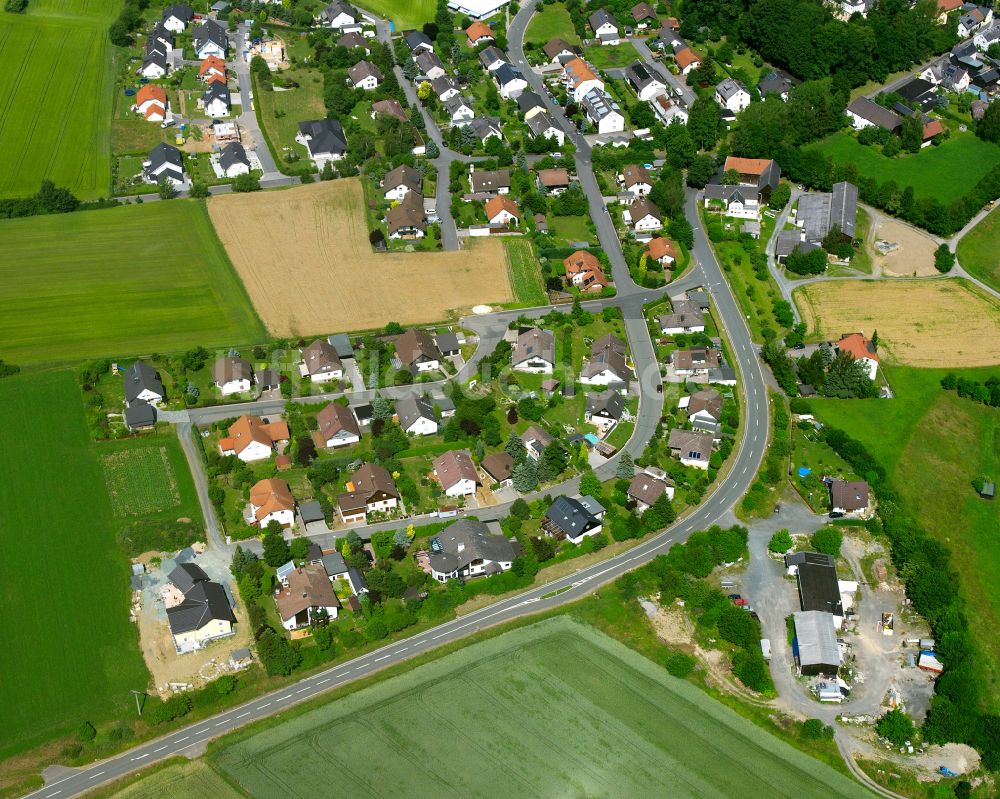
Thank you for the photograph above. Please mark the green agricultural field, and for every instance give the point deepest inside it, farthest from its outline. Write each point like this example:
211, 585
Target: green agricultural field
554, 709
135, 279
525, 273
551, 22
72, 654
945, 173
140, 480
56, 97
979, 251
405, 14
194, 780
934, 444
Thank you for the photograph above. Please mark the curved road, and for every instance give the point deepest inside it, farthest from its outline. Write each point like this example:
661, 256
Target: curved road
726, 492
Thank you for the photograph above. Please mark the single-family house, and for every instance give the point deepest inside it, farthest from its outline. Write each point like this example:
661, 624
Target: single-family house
456, 473
862, 350
644, 16
142, 382
232, 375
444, 88
987, 37
573, 519
865, 113
644, 81
233, 160
251, 438
509, 80
272, 501
607, 364
662, 250
139, 415
643, 215
490, 182
686, 317
370, 489
210, 38
151, 102
603, 111
365, 75
558, 50
429, 65
957, 79
204, 615
530, 103
668, 110
732, 95
177, 16
353, 40
154, 65
324, 139
553, 181
763, 174
534, 351
647, 487
543, 126
636, 180
216, 100
580, 79
336, 427
407, 219
493, 58
468, 549
704, 410
479, 32
695, 361
502, 211
164, 162
849, 496
340, 15
320, 362
308, 600
535, 440
418, 42
776, 83
584, 271
604, 409
498, 467
459, 110
687, 60
486, 128
691, 448
388, 108
416, 351
739, 202
605, 27
416, 416
212, 69
398, 182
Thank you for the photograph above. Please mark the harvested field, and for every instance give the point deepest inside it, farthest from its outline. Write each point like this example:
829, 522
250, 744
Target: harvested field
306, 262
914, 254
940, 323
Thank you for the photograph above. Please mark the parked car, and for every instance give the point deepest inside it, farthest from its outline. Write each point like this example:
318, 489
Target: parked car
741, 603
735, 596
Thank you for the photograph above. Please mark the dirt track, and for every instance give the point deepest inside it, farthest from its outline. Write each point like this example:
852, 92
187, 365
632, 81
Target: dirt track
306, 262
939, 323
914, 256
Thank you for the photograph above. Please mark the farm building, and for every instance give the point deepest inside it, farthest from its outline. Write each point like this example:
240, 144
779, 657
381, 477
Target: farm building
819, 588
816, 638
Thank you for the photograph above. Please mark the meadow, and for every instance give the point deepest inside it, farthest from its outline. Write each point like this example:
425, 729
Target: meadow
136, 279
56, 97
404, 14
934, 444
549, 22
71, 653
945, 173
979, 251
553, 709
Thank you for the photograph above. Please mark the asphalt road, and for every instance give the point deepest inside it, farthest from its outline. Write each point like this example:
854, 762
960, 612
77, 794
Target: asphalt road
727, 491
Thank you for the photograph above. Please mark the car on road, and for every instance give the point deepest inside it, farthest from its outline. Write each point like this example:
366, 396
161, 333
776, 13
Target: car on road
735, 596
741, 603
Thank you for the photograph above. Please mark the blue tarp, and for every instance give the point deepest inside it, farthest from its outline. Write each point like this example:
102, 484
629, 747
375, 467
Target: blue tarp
804, 471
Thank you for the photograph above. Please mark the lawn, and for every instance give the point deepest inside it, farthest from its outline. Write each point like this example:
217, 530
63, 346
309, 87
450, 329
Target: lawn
979, 251
525, 273
945, 173
553, 709
281, 112
611, 56
403, 13
135, 279
571, 228
552, 21
72, 654
934, 444
56, 97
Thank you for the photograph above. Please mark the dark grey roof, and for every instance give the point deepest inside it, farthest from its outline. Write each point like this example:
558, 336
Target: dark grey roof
363, 70
600, 104
484, 180
915, 89
327, 136
357, 578
415, 39
334, 564
186, 575
442, 84
164, 153
139, 377
818, 585
139, 413
205, 602
311, 511
600, 17
341, 342
606, 403
210, 31
182, 11
455, 103
155, 57
539, 124
570, 516
447, 342
730, 87
639, 75
484, 127
412, 408
818, 212
268, 378
528, 100
217, 90
874, 113
731, 194
505, 74
426, 61
232, 154
491, 55
467, 540
774, 83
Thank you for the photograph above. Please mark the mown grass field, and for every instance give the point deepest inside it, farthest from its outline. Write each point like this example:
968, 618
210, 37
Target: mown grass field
56, 97
553, 709
979, 251
934, 444
550, 22
129, 280
525, 273
71, 654
404, 13
945, 173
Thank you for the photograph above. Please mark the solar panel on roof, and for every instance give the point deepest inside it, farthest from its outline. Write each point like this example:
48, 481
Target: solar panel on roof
435, 544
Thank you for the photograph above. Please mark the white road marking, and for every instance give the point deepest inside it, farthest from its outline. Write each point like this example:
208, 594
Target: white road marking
221, 723
381, 658
322, 682
140, 757
95, 776
403, 648
159, 750
261, 707
283, 698
243, 715
301, 690
182, 739
54, 793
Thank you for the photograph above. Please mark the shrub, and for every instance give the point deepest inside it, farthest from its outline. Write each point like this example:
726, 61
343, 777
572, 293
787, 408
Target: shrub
895, 726
780, 542
750, 668
679, 664
828, 540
